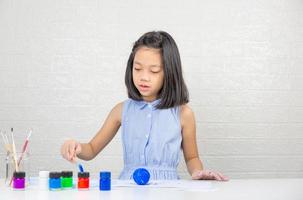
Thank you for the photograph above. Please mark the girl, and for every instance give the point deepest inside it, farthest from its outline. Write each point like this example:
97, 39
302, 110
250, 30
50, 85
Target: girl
156, 120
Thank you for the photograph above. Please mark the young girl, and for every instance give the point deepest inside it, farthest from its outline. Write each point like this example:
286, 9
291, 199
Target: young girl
156, 120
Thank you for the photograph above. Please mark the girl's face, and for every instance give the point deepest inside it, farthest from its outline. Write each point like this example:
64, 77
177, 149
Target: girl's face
148, 74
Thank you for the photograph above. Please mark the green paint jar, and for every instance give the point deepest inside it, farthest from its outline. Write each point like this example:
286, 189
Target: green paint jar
66, 179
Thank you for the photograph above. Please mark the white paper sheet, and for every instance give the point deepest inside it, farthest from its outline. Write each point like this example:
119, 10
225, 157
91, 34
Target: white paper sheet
178, 184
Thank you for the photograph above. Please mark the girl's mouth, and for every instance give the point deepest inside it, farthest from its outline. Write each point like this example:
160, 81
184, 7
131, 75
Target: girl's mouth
144, 87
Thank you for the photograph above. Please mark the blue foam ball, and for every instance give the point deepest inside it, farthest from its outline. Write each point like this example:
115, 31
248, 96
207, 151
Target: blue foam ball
141, 176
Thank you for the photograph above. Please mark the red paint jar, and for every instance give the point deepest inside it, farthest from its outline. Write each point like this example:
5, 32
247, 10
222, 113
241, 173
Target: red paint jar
83, 180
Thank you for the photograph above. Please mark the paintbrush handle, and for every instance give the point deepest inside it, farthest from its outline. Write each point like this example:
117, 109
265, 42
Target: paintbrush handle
23, 151
6, 166
24, 146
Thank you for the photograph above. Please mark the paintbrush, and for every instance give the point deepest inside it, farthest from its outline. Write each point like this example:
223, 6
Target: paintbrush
14, 150
25, 146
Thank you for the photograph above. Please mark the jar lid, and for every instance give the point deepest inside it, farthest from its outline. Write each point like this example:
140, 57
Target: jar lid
44, 174
141, 176
105, 175
66, 173
83, 174
54, 174
19, 174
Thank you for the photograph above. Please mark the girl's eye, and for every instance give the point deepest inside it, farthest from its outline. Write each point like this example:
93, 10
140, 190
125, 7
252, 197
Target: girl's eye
137, 69
154, 72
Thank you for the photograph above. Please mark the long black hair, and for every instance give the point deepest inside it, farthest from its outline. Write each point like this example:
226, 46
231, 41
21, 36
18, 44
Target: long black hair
174, 91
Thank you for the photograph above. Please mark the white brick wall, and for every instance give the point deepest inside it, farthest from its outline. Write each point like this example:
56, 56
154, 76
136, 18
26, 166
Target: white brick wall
62, 67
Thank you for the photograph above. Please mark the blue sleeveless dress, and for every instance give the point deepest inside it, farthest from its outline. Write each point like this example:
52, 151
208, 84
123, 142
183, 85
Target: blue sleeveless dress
151, 139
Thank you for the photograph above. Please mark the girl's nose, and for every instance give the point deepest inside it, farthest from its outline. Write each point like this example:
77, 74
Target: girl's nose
145, 76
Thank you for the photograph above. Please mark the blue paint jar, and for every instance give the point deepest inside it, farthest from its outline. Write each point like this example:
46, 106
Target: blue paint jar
105, 181
141, 176
54, 181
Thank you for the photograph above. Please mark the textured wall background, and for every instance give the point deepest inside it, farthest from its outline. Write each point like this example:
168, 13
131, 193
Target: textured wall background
62, 66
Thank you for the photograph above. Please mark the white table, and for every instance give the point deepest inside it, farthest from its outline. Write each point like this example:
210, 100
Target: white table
242, 189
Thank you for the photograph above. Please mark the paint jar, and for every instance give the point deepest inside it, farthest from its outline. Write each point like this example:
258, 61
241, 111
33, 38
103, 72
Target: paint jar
10, 166
66, 179
19, 180
105, 181
83, 180
141, 176
43, 180
54, 182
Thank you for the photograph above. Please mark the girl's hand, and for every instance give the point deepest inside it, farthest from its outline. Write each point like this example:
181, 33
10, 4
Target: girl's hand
70, 149
208, 175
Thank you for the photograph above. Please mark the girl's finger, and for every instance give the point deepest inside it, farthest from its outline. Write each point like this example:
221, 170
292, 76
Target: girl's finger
208, 175
203, 174
215, 176
65, 151
71, 151
74, 159
78, 148
224, 178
